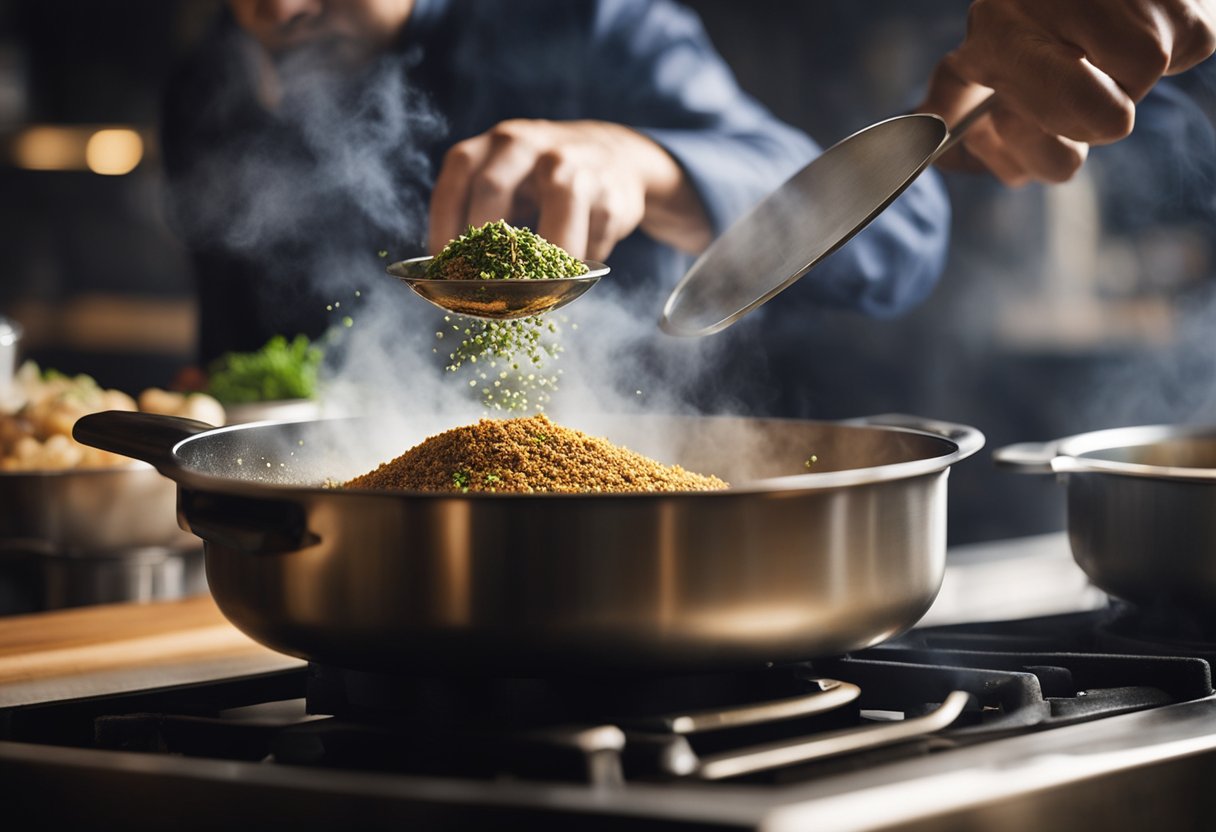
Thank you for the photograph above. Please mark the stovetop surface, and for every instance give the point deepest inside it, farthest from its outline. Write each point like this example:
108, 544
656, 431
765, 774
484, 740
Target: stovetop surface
1035, 720
1046, 722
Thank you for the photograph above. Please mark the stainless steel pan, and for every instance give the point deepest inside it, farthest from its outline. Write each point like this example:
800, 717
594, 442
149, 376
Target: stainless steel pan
1141, 510
786, 565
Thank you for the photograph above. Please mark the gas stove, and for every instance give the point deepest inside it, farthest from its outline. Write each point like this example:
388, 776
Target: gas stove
1046, 722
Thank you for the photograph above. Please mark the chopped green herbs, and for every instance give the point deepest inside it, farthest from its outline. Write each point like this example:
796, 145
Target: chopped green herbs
498, 251
460, 479
504, 359
281, 369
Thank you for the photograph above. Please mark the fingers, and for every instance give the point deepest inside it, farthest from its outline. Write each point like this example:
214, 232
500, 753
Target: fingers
1194, 36
450, 197
1013, 148
1042, 156
614, 216
482, 179
1133, 49
1136, 42
984, 143
981, 148
494, 187
601, 234
492, 176
1050, 82
950, 95
582, 183
1068, 73
564, 192
1077, 67
1017, 151
1128, 41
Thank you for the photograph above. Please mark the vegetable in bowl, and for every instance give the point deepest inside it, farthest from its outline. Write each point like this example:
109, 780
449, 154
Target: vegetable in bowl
280, 370
36, 430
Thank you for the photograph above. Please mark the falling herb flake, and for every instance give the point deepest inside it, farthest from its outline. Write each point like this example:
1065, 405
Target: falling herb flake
497, 250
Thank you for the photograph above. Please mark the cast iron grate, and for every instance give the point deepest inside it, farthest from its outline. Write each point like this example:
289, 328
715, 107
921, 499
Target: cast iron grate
1002, 679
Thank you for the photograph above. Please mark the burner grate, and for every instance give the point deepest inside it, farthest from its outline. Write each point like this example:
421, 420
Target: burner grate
1030, 690
929, 691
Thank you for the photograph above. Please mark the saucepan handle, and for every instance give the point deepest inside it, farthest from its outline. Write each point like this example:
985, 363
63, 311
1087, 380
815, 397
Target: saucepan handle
255, 526
968, 439
251, 525
1027, 457
146, 436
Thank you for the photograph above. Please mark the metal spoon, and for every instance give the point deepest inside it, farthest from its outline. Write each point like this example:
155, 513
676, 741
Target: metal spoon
812, 215
497, 299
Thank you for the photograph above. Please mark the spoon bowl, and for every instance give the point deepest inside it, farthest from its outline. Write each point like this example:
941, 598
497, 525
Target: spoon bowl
813, 214
495, 299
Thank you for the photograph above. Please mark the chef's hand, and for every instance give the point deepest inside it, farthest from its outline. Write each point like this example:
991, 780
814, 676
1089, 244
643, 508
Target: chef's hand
1069, 74
583, 185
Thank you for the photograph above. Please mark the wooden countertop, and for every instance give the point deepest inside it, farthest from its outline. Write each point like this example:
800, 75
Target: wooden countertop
88, 641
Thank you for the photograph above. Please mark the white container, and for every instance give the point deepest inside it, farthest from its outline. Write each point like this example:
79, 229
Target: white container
10, 338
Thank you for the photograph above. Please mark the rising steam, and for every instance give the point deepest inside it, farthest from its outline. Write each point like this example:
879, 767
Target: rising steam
340, 169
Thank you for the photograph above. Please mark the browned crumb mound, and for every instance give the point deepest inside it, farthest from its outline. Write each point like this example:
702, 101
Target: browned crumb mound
527, 455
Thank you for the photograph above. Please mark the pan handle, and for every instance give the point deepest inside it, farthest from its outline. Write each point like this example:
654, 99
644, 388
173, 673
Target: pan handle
968, 439
1028, 457
146, 436
255, 526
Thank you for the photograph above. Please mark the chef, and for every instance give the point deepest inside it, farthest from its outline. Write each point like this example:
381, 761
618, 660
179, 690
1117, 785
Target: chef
612, 128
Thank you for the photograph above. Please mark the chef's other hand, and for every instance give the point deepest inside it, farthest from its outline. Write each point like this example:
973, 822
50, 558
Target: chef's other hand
1069, 74
583, 185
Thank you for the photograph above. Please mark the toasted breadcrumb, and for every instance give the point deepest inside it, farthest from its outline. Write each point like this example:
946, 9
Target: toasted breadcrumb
527, 455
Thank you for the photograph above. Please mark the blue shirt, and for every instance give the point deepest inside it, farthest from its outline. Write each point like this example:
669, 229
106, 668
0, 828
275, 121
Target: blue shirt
648, 65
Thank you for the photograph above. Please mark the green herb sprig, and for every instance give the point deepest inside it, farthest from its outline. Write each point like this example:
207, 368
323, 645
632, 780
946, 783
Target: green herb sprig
505, 360
281, 369
499, 251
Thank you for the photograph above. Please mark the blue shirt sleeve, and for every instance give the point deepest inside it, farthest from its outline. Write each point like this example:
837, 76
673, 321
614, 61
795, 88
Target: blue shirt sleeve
894, 263
653, 66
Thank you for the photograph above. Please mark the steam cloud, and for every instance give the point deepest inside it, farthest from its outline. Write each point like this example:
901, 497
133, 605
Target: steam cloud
362, 145
356, 142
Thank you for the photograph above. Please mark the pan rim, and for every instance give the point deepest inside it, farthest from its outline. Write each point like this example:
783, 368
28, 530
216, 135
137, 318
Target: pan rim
1072, 452
795, 484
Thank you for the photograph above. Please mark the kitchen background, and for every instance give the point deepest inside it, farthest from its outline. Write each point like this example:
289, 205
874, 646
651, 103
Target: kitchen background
1063, 309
